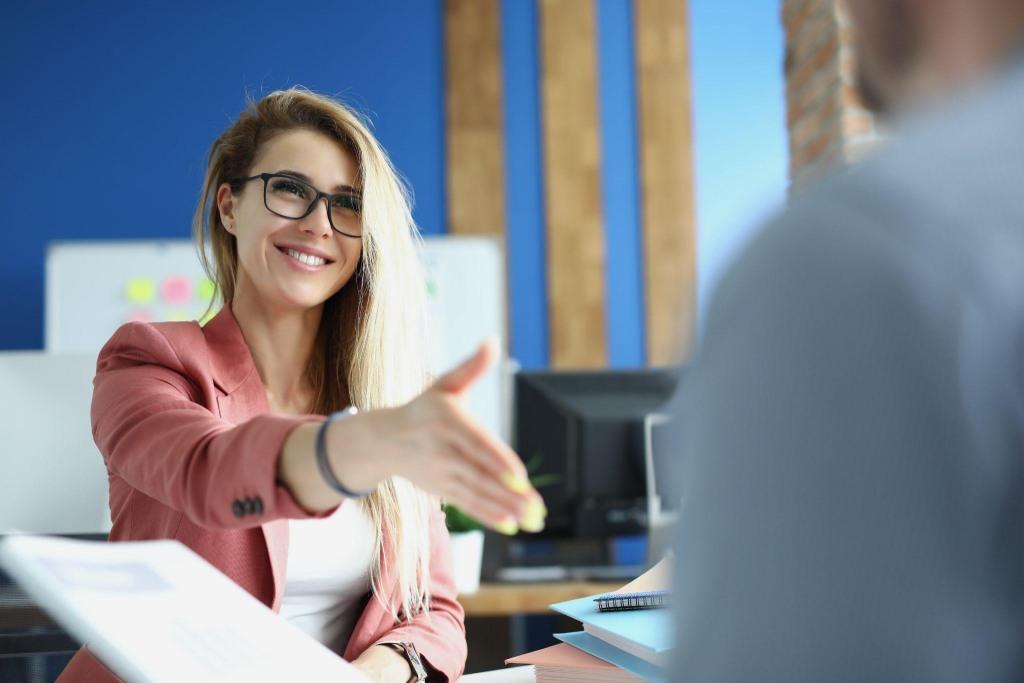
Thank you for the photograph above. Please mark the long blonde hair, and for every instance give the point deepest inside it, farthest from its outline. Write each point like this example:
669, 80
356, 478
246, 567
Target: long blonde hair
369, 346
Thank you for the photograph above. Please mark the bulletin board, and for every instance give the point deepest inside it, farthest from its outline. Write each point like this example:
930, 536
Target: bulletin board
93, 287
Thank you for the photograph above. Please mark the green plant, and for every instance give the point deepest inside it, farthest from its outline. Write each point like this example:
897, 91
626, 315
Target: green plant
458, 521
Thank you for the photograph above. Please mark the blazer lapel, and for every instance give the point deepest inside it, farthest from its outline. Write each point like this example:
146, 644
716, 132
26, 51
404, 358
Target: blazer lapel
244, 397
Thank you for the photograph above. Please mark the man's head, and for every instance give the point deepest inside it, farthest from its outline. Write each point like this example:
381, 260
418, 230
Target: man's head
914, 50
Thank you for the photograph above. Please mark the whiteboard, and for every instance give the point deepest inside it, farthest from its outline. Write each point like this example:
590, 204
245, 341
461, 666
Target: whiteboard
93, 287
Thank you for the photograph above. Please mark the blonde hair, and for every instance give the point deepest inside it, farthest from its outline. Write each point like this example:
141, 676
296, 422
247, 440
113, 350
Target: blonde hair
369, 346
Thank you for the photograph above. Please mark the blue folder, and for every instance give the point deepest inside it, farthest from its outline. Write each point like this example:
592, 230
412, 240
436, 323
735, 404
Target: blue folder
649, 628
613, 655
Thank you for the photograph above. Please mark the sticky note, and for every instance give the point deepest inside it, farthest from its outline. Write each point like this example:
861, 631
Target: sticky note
139, 316
207, 315
177, 315
140, 290
205, 289
176, 290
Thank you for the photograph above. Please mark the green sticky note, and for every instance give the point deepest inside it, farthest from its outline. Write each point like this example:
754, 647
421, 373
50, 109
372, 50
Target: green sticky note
140, 290
205, 289
207, 315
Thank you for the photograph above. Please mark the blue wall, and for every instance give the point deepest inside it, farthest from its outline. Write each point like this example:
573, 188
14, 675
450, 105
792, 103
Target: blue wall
110, 108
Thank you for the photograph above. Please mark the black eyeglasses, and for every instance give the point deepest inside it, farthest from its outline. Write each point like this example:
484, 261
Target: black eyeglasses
290, 197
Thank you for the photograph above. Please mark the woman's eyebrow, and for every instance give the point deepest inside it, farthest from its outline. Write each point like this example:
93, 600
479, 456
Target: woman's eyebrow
348, 189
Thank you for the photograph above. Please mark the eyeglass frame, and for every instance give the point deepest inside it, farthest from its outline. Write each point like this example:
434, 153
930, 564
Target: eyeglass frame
312, 205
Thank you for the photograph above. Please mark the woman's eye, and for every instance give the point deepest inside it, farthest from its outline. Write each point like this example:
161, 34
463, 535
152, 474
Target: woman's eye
347, 203
289, 186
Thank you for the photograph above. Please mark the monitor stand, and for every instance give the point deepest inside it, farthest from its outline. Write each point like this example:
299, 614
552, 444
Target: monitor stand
602, 573
533, 561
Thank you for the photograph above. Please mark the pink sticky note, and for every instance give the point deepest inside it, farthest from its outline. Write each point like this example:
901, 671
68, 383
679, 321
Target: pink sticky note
139, 316
176, 290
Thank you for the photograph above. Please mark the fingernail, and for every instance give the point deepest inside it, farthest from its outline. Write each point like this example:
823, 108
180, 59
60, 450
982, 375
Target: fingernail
533, 518
515, 483
507, 527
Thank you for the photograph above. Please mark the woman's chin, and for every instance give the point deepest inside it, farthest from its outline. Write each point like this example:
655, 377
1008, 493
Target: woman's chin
302, 300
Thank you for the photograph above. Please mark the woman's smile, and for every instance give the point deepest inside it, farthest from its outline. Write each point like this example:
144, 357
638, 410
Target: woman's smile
303, 259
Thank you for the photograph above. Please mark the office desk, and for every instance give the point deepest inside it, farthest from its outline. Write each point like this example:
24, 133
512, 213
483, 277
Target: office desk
513, 674
514, 599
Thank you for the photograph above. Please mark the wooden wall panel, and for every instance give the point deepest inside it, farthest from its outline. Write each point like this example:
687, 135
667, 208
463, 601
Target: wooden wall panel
473, 117
572, 165
666, 177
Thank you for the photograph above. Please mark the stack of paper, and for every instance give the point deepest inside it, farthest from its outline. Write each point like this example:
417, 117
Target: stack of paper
631, 644
564, 663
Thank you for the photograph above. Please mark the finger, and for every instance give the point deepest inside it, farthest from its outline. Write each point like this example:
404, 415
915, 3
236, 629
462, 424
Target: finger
524, 503
463, 469
480, 508
470, 370
491, 452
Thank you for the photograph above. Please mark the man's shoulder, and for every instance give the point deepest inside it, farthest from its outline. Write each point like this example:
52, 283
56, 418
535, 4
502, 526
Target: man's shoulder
941, 200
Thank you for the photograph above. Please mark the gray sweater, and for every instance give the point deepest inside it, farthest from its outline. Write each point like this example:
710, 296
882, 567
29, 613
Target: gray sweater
853, 427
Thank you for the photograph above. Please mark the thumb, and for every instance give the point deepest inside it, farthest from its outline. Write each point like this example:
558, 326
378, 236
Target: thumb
470, 370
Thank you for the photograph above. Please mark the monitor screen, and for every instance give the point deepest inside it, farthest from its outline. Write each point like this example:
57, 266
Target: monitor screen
582, 437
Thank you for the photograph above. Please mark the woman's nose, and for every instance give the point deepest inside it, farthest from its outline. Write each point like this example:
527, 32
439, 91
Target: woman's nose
318, 223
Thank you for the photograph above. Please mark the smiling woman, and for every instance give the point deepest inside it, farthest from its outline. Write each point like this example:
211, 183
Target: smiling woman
290, 225
216, 435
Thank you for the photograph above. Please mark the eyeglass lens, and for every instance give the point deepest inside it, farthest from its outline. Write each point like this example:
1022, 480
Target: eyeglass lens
291, 198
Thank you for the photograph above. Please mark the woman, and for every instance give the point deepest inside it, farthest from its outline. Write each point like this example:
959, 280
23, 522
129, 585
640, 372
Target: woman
214, 435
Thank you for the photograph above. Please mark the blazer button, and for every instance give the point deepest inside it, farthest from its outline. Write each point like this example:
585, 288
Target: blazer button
250, 507
238, 508
258, 505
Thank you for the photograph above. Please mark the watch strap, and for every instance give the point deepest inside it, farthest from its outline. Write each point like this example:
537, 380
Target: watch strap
419, 672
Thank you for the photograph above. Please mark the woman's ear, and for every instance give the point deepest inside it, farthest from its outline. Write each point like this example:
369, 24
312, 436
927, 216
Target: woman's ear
226, 207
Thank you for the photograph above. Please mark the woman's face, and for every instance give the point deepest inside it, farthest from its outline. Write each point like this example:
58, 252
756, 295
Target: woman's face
268, 245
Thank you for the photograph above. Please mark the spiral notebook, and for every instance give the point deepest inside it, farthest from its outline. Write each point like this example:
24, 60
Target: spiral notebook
620, 602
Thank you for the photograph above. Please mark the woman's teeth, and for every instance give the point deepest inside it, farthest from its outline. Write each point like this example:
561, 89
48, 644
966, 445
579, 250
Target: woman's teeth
306, 258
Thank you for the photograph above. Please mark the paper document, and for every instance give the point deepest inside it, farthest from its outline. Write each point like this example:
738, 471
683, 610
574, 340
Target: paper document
154, 611
657, 578
566, 663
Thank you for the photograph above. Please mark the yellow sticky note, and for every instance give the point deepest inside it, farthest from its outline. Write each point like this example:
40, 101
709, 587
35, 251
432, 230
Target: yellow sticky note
205, 289
207, 315
140, 290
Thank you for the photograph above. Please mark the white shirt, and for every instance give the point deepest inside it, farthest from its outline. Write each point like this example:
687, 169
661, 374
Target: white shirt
328, 573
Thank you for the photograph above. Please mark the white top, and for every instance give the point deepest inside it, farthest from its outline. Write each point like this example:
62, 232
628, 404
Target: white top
328, 573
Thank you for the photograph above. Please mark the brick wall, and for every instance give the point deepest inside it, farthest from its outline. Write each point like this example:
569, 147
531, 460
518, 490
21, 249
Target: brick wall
827, 121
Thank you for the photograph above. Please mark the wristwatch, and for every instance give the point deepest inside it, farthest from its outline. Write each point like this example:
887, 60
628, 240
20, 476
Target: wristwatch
419, 672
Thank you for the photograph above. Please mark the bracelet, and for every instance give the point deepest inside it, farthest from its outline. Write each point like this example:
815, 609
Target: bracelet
321, 456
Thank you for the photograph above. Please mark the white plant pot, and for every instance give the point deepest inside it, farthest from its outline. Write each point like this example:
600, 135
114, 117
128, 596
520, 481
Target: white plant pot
467, 557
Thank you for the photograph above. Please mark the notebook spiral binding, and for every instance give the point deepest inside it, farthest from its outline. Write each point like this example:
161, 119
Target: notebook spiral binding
618, 602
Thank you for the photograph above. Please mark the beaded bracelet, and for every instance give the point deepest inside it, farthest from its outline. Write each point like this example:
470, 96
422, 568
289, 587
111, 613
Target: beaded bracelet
321, 455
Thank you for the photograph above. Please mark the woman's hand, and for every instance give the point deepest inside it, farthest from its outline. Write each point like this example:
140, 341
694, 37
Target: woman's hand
383, 663
433, 442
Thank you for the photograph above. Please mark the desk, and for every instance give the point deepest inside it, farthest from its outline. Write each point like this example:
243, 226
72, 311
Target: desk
514, 599
513, 674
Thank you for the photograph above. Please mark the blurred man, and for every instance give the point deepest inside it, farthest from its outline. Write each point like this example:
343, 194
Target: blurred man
854, 471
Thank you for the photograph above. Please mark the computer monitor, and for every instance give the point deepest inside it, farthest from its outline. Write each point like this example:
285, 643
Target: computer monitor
53, 479
585, 438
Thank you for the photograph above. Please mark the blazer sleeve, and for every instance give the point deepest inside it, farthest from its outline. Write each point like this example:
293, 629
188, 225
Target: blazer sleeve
439, 634
154, 432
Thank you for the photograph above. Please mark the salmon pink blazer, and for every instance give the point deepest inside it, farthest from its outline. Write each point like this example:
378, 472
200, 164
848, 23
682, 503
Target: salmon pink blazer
181, 417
